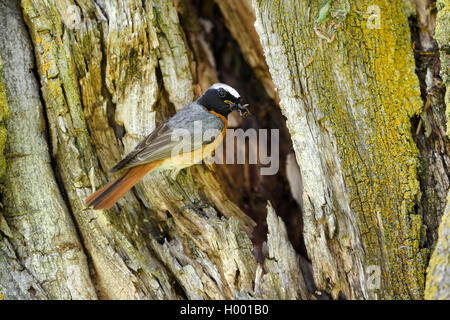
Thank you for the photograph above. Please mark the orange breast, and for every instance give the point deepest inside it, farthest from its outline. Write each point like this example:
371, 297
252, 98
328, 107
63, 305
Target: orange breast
196, 156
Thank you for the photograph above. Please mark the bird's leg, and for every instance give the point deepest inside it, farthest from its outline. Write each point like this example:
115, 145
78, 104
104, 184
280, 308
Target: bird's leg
196, 204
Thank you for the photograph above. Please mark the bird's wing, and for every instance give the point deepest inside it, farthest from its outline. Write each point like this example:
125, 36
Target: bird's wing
188, 130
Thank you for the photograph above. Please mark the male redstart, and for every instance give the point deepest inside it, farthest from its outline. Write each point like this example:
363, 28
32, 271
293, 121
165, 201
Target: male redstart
159, 150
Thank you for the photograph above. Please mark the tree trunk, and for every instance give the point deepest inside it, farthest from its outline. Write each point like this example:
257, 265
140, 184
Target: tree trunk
82, 82
349, 104
438, 271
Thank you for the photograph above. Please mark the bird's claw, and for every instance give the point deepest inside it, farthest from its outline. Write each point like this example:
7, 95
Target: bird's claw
197, 206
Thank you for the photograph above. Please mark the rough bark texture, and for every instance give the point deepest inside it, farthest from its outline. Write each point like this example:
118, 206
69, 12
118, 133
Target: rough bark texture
348, 105
362, 157
39, 240
240, 18
108, 72
429, 131
438, 271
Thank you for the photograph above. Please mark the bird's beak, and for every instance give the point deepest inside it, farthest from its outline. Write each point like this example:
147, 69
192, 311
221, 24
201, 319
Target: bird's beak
243, 111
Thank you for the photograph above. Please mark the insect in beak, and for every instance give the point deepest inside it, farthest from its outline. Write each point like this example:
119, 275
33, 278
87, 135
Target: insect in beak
243, 111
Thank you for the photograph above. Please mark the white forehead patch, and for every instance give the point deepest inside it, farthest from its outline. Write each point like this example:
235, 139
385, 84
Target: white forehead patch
232, 91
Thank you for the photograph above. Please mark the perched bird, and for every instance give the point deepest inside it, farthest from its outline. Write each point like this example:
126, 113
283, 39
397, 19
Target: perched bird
159, 150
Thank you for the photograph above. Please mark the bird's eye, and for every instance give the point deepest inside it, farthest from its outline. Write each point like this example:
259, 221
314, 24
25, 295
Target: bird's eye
222, 93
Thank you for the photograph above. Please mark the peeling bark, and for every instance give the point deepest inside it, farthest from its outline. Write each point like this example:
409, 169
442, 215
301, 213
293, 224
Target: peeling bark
284, 278
429, 132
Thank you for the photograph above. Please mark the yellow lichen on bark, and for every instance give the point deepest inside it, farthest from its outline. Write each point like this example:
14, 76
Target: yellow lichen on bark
381, 160
438, 275
353, 84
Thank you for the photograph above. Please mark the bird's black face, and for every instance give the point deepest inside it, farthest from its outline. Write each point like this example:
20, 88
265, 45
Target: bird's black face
222, 99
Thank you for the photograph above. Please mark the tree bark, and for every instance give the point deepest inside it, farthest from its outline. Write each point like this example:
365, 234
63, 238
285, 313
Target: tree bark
438, 271
82, 82
348, 105
40, 250
103, 92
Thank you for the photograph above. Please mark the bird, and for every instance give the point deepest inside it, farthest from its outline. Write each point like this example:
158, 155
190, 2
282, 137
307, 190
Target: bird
160, 151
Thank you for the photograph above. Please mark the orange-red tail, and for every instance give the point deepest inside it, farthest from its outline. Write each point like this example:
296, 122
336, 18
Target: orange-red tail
107, 196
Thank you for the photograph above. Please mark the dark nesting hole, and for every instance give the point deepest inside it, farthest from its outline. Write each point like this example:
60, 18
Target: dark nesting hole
246, 186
